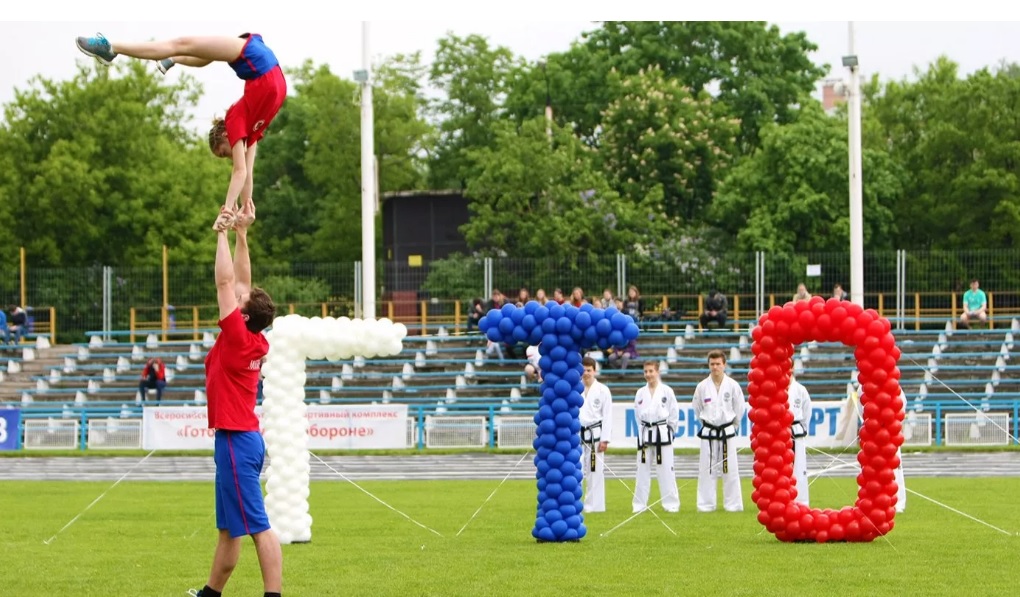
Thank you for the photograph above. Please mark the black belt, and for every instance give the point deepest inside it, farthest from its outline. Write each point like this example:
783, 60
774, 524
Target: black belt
588, 438
658, 441
711, 432
798, 430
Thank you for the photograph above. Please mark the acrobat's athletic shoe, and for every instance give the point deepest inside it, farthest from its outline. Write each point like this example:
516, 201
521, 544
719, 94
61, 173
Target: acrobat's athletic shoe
195, 593
165, 64
98, 47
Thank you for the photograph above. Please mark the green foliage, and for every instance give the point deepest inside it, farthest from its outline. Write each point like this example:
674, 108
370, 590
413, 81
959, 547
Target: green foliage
288, 289
455, 277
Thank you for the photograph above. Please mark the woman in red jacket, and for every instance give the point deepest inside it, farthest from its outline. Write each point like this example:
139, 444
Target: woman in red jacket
153, 378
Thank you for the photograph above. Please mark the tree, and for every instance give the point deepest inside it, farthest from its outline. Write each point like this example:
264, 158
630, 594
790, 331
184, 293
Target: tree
535, 197
750, 66
473, 77
658, 134
793, 194
959, 143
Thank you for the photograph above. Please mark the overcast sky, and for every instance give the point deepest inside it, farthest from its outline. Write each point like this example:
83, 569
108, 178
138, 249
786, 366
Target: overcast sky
890, 49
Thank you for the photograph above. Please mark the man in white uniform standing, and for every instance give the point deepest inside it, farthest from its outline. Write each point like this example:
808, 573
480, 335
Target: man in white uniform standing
800, 407
596, 418
719, 404
901, 491
658, 417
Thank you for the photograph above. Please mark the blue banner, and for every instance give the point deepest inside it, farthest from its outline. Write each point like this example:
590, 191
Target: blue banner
9, 421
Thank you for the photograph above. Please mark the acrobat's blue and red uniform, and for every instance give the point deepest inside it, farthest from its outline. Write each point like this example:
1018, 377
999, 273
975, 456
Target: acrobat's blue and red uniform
232, 375
265, 88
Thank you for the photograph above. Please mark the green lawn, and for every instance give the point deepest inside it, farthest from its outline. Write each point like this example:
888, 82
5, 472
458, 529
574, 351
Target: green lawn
155, 539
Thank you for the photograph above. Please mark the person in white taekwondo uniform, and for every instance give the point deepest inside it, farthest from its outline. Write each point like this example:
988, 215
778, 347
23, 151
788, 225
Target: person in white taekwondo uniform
719, 404
596, 418
800, 408
658, 417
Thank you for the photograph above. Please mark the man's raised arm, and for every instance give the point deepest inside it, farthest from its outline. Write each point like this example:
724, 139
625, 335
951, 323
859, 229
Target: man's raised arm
242, 261
225, 280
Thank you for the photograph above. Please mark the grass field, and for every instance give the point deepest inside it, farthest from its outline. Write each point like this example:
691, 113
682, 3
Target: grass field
156, 539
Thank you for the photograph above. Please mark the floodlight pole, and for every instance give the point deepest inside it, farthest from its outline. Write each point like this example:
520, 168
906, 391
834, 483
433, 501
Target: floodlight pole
856, 185
367, 181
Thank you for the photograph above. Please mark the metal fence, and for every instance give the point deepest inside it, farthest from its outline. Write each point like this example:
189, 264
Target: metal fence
110, 298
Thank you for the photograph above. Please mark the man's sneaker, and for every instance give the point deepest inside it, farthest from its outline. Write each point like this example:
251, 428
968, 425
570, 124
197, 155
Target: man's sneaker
195, 593
98, 47
164, 64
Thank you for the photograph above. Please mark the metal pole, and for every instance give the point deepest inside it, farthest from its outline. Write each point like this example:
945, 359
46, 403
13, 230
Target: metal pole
367, 182
856, 188
357, 290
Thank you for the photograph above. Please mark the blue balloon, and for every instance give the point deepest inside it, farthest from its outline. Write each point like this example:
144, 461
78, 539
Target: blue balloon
520, 334
583, 320
555, 476
549, 326
597, 314
548, 341
565, 498
573, 358
619, 321
573, 376
528, 323
483, 325
603, 327
566, 341
574, 521
578, 492
553, 490
541, 494
563, 433
535, 336
576, 334
567, 483
545, 363
507, 309
579, 505
541, 314
531, 306
536, 443
546, 426
575, 425
556, 311
573, 455
574, 411
570, 535
575, 440
559, 528
555, 460
549, 441
568, 467
586, 307
543, 452
541, 523
506, 326
616, 338
568, 511
560, 368
582, 531
603, 342
558, 354
591, 336
563, 388
631, 331
546, 412
560, 405
575, 399
570, 312
577, 474
535, 533
542, 466
563, 325
563, 420
611, 310
517, 316
553, 514
551, 505
542, 483
563, 447
494, 315
544, 349
494, 334
546, 534
549, 383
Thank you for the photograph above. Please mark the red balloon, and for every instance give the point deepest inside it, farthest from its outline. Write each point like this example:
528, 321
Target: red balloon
776, 509
806, 319
756, 333
836, 532
763, 518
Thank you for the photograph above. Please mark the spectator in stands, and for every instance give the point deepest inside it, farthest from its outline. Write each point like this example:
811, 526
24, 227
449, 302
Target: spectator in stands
607, 299
634, 306
3, 327
171, 317
975, 305
18, 323
523, 296
558, 296
619, 358
540, 296
475, 315
802, 293
497, 301
838, 293
153, 378
532, 370
493, 348
715, 310
577, 297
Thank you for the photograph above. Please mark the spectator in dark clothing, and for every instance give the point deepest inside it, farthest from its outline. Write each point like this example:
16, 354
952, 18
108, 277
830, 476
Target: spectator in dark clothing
153, 378
475, 315
18, 323
715, 310
634, 306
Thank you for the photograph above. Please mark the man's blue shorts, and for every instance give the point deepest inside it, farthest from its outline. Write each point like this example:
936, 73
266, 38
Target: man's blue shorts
240, 508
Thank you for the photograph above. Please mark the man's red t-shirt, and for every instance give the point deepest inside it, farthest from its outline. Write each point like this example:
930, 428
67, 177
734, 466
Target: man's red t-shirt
232, 375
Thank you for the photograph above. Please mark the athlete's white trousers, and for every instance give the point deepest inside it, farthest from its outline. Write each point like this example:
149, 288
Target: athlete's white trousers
594, 481
800, 469
667, 479
901, 491
733, 499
